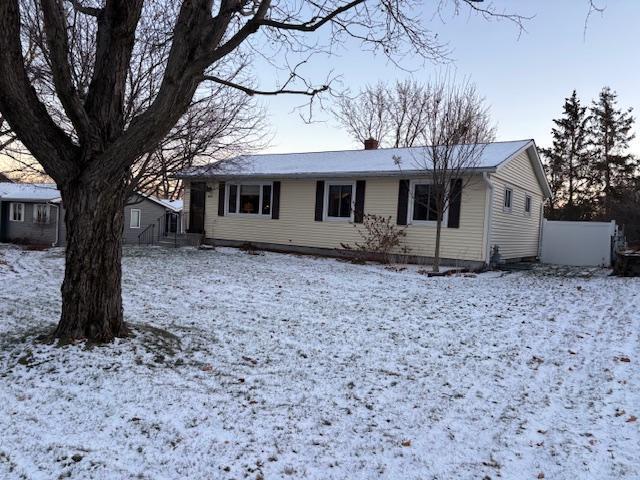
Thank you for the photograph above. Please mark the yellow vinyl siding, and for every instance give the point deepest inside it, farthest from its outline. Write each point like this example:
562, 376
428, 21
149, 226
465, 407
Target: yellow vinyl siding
297, 226
516, 233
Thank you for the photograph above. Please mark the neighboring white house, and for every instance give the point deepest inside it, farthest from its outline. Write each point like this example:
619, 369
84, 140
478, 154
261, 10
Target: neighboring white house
310, 202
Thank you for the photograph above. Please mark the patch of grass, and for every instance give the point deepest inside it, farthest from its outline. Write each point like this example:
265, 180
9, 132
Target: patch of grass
157, 340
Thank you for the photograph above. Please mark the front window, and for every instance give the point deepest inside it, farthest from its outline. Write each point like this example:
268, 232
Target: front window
424, 203
134, 222
16, 212
339, 201
249, 199
41, 213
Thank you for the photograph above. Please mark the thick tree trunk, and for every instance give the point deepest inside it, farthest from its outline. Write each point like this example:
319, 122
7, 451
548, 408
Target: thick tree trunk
91, 291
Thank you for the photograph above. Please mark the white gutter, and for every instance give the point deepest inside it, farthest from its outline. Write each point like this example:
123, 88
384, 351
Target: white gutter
541, 230
488, 210
55, 244
350, 174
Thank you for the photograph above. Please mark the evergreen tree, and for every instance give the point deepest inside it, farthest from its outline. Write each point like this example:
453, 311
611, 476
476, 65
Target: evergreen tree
612, 166
567, 161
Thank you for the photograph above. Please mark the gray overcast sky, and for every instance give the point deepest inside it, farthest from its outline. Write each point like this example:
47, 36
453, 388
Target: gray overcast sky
524, 80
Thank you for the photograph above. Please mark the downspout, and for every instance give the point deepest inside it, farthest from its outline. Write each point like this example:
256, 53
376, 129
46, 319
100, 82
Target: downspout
488, 217
55, 244
541, 230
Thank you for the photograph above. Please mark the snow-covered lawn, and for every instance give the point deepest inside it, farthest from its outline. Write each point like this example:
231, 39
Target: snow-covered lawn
277, 366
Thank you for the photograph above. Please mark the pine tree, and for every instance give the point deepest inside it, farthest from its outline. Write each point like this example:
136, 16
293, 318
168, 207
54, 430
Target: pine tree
613, 166
567, 161
554, 167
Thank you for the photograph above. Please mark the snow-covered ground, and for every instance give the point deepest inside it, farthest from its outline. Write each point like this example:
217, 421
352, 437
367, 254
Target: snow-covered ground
277, 366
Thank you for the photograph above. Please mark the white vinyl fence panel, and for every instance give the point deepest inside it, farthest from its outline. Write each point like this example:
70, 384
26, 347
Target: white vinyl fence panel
577, 243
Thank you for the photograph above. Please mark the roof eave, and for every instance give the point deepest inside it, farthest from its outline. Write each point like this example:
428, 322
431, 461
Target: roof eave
30, 200
399, 173
158, 201
538, 166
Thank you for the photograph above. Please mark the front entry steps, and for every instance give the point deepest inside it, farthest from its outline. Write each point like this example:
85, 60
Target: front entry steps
180, 240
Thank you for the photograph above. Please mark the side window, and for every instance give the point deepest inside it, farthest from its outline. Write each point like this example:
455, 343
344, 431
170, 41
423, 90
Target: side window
41, 213
134, 221
508, 200
527, 204
16, 212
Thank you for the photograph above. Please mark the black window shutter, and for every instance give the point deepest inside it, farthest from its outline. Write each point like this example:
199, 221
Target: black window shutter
455, 202
403, 202
358, 213
275, 201
221, 199
319, 200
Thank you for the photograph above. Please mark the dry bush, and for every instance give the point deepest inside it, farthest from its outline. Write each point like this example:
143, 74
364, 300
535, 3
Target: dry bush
380, 236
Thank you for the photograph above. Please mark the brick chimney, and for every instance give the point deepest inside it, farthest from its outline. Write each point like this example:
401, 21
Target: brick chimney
370, 144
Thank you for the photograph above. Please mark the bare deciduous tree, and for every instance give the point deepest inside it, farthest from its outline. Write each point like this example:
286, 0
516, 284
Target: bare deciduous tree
216, 127
221, 121
87, 139
455, 130
367, 115
219, 126
390, 114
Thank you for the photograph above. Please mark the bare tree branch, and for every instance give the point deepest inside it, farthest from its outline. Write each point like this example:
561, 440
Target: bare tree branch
593, 8
312, 24
21, 106
115, 38
252, 91
57, 42
91, 11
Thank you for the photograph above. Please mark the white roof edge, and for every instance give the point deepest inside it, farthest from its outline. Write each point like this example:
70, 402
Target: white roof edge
373, 173
514, 154
30, 199
540, 171
29, 192
55, 195
538, 168
158, 201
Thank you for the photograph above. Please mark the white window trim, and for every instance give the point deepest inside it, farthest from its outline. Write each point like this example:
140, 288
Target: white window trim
227, 191
47, 213
530, 199
325, 209
139, 225
424, 223
508, 209
12, 207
